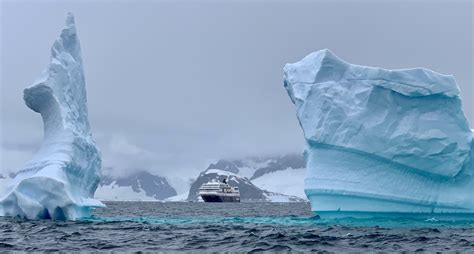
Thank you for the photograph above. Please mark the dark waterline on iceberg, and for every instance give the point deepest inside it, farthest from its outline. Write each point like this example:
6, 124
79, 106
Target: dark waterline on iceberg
243, 227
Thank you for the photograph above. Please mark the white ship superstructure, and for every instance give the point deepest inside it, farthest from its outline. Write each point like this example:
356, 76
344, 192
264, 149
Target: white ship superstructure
215, 191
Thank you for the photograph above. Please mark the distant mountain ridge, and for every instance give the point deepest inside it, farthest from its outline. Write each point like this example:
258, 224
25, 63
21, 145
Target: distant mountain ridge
255, 167
226, 165
288, 161
144, 184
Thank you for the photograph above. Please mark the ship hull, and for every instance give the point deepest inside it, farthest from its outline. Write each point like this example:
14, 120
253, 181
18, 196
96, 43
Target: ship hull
217, 198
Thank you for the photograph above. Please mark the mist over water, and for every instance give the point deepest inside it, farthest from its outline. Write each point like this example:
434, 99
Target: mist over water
233, 227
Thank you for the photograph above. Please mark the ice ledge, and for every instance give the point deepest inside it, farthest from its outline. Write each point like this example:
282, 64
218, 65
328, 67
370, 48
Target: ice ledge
343, 200
346, 180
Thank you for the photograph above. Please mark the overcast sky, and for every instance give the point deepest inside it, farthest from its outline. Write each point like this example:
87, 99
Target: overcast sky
174, 85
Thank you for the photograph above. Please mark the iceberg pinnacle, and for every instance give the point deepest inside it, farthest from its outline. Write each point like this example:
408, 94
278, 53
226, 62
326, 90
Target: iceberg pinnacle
381, 140
60, 180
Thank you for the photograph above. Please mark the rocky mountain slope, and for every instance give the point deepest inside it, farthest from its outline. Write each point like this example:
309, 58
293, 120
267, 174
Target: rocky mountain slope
139, 186
255, 167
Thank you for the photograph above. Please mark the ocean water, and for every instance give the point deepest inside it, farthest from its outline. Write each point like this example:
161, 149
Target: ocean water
233, 227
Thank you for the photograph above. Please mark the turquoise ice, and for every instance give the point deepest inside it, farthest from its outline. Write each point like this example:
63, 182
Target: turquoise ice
381, 140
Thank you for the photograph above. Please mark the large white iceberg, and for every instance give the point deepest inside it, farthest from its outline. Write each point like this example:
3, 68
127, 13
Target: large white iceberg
381, 140
60, 181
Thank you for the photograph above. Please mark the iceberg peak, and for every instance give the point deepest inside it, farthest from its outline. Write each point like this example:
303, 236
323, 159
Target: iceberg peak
59, 95
70, 19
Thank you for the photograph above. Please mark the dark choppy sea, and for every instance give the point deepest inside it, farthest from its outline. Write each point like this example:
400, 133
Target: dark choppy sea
232, 227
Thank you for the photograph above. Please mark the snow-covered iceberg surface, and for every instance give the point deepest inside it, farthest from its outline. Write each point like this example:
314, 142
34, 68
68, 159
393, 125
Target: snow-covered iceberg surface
60, 181
381, 140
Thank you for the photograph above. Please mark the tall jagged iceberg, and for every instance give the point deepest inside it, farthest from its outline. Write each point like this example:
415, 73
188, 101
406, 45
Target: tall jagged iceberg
60, 181
381, 140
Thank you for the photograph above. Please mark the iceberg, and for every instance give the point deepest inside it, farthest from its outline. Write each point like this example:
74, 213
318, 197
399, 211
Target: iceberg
60, 180
381, 141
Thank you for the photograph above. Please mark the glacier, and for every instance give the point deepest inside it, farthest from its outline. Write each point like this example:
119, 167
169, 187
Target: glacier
381, 141
60, 180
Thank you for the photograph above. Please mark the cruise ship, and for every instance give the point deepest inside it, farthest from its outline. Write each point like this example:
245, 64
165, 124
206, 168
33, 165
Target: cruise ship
215, 191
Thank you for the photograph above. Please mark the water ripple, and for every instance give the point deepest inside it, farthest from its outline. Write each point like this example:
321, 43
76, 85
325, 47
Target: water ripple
245, 227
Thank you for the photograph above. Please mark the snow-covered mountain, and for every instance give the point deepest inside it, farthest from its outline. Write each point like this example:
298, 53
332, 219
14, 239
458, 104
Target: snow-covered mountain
277, 178
281, 163
248, 191
141, 186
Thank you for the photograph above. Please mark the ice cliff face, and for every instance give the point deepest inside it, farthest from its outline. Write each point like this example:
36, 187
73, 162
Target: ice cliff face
60, 181
381, 140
